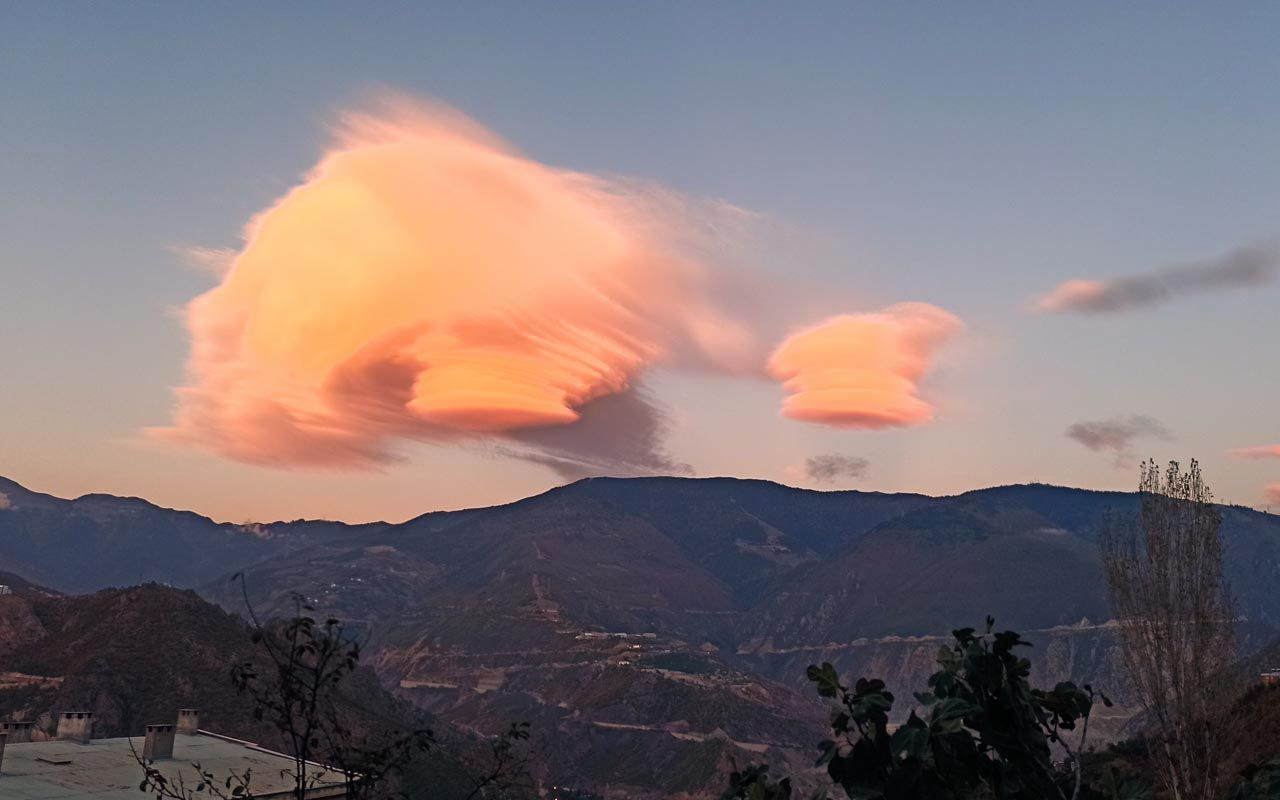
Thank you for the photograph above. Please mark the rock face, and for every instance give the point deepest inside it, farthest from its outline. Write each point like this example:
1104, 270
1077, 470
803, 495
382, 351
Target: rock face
657, 630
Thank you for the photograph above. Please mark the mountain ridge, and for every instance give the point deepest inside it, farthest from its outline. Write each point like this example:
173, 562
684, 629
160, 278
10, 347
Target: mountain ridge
671, 614
727, 479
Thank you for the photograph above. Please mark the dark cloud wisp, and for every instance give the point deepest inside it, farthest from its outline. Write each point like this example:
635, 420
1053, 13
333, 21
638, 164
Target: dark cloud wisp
830, 467
1255, 265
1117, 436
620, 435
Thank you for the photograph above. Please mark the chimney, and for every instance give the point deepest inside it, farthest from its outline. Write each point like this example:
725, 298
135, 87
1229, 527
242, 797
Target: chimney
76, 726
159, 742
189, 721
18, 732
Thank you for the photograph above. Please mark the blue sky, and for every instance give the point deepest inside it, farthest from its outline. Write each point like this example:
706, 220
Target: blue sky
972, 157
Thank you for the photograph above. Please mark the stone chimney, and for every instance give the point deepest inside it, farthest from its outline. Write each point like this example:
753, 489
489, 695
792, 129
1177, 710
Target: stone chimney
76, 726
189, 721
18, 732
159, 742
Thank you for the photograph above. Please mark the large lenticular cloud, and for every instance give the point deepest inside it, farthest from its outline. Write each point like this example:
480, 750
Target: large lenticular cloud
863, 370
425, 281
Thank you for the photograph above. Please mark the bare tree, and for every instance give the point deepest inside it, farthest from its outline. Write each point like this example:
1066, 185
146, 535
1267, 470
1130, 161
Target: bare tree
297, 691
294, 684
1177, 622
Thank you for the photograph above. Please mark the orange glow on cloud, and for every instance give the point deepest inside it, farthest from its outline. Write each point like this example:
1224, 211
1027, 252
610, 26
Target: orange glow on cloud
862, 370
1270, 493
1070, 295
427, 282
1264, 451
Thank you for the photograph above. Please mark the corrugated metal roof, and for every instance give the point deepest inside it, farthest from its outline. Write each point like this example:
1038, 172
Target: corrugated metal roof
105, 769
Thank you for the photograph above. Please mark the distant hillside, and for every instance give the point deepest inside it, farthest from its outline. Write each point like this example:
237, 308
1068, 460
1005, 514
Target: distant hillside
1252, 731
135, 656
1255, 735
726, 590
98, 541
765, 578
20, 585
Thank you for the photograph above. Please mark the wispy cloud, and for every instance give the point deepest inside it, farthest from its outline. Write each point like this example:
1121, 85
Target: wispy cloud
1262, 451
1116, 437
1272, 494
831, 467
1255, 265
215, 261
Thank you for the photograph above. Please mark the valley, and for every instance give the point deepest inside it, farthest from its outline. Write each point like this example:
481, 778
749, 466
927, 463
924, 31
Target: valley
655, 632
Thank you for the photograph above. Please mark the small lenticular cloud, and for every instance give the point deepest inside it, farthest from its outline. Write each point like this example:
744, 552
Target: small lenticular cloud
830, 467
1116, 436
1264, 451
1249, 266
862, 370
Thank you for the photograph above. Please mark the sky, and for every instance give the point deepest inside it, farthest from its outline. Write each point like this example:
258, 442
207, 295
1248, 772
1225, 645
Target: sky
270, 261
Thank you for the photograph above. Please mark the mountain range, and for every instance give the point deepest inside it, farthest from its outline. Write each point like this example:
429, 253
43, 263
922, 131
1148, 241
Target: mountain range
656, 630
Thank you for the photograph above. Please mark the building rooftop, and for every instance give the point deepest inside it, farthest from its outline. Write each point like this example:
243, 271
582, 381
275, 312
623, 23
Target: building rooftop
106, 769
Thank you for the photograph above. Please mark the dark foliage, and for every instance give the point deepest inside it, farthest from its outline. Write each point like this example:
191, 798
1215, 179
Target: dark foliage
979, 731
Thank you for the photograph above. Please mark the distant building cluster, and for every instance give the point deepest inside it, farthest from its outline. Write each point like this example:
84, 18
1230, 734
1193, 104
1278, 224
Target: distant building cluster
600, 635
1271, 677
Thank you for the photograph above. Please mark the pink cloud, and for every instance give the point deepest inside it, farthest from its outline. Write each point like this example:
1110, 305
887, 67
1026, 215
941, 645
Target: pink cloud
1270, 493
1073, 295
863, 370
426, 281
1264, 451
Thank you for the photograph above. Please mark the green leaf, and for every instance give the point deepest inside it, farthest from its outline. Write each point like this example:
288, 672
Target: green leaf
827, 679
911, 740
955, 708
